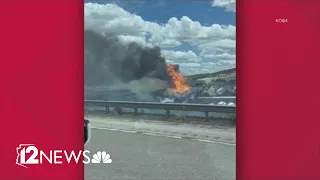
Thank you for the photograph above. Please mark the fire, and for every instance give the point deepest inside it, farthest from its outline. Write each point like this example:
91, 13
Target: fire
180, 83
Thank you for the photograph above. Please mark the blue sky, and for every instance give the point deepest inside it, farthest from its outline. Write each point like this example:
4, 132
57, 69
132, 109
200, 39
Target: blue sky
209, 47
162, 10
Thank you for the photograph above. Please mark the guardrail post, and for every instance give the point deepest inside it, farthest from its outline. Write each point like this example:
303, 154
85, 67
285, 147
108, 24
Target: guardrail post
168, 112
118, 110
135, 111
107, 109
207, 115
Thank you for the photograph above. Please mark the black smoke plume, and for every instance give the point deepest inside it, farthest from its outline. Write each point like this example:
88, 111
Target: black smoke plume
109, 62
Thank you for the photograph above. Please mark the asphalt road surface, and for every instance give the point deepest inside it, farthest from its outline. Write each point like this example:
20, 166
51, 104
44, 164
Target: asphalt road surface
139, 156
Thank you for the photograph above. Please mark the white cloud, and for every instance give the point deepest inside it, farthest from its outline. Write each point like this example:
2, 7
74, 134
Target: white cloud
180, 56
215, 42
138, 39
224, 56
229, 5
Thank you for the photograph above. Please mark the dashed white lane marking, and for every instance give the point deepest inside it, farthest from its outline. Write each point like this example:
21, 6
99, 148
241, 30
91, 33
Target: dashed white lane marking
161, 135
174, 137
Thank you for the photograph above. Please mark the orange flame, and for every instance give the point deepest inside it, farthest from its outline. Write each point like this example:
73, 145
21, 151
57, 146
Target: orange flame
180, 83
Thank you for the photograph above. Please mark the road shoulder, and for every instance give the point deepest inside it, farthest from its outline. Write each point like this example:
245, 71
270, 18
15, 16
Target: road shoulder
217, 131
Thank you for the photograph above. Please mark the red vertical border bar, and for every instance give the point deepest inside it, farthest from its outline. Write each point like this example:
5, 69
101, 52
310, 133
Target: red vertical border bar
278, 129
41, 75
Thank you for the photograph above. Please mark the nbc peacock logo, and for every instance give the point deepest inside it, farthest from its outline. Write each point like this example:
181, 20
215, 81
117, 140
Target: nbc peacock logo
101, 157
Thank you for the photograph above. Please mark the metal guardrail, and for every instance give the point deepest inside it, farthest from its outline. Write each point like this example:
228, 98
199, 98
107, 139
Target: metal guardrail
166, 106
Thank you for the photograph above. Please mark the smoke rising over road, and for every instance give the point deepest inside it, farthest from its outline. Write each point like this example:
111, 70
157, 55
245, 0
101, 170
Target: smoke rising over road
115, 64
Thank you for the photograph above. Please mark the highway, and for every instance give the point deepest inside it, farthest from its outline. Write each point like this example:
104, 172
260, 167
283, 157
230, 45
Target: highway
143, 149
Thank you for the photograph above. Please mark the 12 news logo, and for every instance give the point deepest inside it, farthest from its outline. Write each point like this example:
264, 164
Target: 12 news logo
29, 154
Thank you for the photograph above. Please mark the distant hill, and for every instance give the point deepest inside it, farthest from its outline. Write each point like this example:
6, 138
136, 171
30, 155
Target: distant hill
222, 83
224, 74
